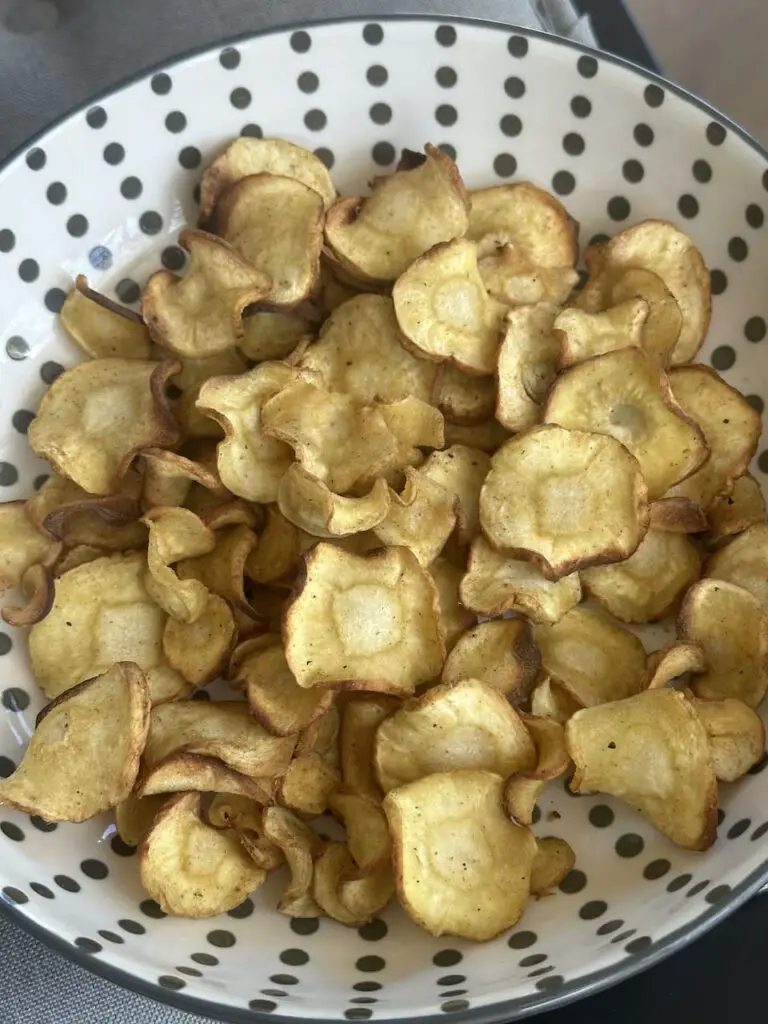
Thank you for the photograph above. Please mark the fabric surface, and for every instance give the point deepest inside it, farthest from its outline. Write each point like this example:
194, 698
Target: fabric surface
54, 56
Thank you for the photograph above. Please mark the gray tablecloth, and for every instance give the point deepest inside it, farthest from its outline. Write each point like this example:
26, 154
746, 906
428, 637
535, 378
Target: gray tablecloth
55, 55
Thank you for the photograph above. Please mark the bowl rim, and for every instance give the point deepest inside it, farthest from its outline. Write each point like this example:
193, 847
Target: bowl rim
508, 1009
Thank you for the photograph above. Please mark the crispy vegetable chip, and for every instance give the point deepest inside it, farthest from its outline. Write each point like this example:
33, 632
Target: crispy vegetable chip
360, 718
75, 517
184, 772
454, 617
592, 656
661, 330
513, 280
168, 478
134, 817
96, 417
464, 725
501, 654
176, 534
37, 588
583, 335
495, 584
736, 736
677, 515
199, 650
731, 626
567, 498
222, 570
101, 328
652, 752
310, 505
268, 335
528, 362
673, 661
377, 238
462, 398
625, 395
461, 866
523, 790
262, 852
554, 859
307, 785
322, 737
277, 553
550, 700
744, 562
191, 869
736, 512
193, 374
299, 845
444, 312
22, 545
364, 622
486, 437
361, 892
84, 754
229, 810
201, 313
650, 583
422, 517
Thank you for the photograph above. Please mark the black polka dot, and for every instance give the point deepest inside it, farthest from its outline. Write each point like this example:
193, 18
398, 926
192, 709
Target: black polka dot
633, 171
533, 960
190, 158
719, 281
151, 222
42, 890
284, 979
304, 925
193, 972
445, 35
587, 66
454, 1006
36, 159
629, 845
760, 766
14, 698
168, 981
446, 115
229, 58
581, 106
739, 828
517, 46
552, 982
538, 973
29, 270
21, 420
380, 113
325, 156
755, 329
308, 81
760, 831
656, 869
505, 165
51, 371
448, 149
371, 964
133, 927
754, 216
451, 980
738, 249
511, 125
573, 144
374, 930
514, 87
377, 75
77, 225
609, 927
173, 257
127, 290
7, 240
638, 945
111, 936
66, 883
446, 77
7, 767
383, 153
536, 815
593, 909
762, 462
8, 474
601, 815
653, 95
573, 882
618, 208
41, 824
688, 205
56, 193
121, 848
221, 938
240, 97
643, 134
367, 986
95, 869
152, 909
161, 84
300, 42
563, 182
243, 910
678, 883
96, 117
718, 894
315, 120
757, 403
16, 348
624, 936
131, 187
373, 34
702, 171
100, 257
521, 940
206, 959
15, 895
447, 958
364, 999
723, 357
88, 945
250, 130
175, 122
696, 889
715, 133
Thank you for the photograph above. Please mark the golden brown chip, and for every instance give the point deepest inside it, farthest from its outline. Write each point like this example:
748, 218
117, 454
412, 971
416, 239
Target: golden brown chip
362, 892
309, 504
652, 752
195, 773
649, 584
276, 224
444, 312
322, 737
422, 517
186, 386
37, 588
486, 437
509, 277
415, 425
84, 754
307, 784
269, 335
407, 213
566, 498
461, 866
528, 362
262, 852
364, 622
235, 512
201, 314
22, 545
248, 155
454, 616
731, 626
583, 335
464, 725
744, 561
661, 330
96, 417
168, 478
199, 650
191, 869
110, 522
736, 736
176, 534
101, 328
528, 218
277, 553
134, 817
462, 398
554, 859
523, 790
299, 845
552, 701
625, 395
673, 661
677, 515
222, 570
230, 810
736, 512
360, 718
592, 656
501, 654
495, 584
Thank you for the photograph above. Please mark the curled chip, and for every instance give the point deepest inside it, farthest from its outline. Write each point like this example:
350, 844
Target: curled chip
583, 335
96, 417
523, 790
501, 654
511, 279
528, 362
455, 619
422, 517
195, 773
262, 852
662, 327
454, 726
322, 737
444, 311
650, 583
736, 736
176, 534
274, 696
276, 224
731, 626
677, 515
554, 859
230, 810
422, 203
37, 588
731, 429
168, 478
268, 335
461, 866
415, 425
652, 752
550, 700
101, 328
222, 729
248, 155
359, 352
566, 498
134, 817
199, 650
659, 249
736, 512
486, 436
201, 313
528, 218
276, 556
83, 756
310, 505
625, 395
299, 846
250, 463
364, 622
22, 545
307, 784
495, 584
101, 614
75, 517
192, 869
592, 656
188, 381
462, 398
672, 662
744, 561
360, 718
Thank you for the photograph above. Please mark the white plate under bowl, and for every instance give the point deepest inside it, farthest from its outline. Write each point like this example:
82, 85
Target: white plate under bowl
104, 193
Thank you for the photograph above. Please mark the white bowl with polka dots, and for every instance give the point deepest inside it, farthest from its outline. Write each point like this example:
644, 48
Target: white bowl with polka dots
104, 193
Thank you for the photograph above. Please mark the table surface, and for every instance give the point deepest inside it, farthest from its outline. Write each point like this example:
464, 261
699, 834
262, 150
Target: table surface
34, 982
